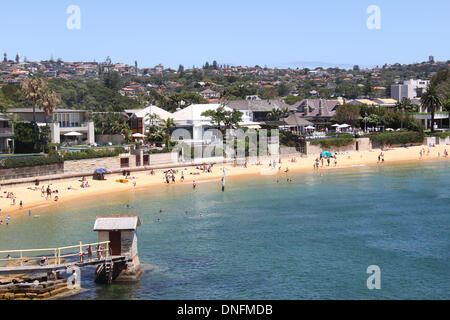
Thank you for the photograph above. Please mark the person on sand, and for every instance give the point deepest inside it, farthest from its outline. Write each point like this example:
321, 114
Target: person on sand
445, 153
328, 160
21, 204
56, 198
335, 161
182, 176
194, 185
287, 170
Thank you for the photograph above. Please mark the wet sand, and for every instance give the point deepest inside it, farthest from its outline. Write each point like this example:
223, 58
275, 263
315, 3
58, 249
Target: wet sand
32, 199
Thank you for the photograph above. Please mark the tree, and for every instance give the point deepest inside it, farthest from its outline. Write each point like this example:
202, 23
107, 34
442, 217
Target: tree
276, 114
5, 57
432, 101
181, 70
167, 127
292, 99
50, 101
221, 116
403, 106
368, 87
112, 80
268, 93
111, 123
214, 65
283, 90
34, 90
348, 113
17, 58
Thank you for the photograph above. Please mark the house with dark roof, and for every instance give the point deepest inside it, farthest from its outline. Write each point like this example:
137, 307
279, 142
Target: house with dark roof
296, 123
258, 110
317, 111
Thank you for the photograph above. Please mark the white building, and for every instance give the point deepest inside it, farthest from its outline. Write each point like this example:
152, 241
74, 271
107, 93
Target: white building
139, 119
409, 89
62, 122
191, 118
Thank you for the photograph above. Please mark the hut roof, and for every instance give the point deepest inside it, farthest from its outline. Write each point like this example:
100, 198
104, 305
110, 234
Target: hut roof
108, 223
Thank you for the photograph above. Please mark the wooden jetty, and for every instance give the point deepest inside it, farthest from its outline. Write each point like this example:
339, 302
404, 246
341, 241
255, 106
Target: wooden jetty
33, 271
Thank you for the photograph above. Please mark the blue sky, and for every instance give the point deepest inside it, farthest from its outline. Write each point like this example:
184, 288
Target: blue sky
244, 32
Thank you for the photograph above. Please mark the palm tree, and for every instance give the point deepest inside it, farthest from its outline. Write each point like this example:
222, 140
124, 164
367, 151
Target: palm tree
166, 127
277, 114
404, 105
34, 90
50, 101
432, 101
153, 118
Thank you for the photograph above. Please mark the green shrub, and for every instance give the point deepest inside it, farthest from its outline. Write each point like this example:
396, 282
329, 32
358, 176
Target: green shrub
337, 142
405, 137
92, 154
10, 163
441, 135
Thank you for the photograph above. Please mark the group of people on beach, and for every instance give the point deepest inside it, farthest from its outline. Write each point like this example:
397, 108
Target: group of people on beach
7, 219
428, 152
321, 159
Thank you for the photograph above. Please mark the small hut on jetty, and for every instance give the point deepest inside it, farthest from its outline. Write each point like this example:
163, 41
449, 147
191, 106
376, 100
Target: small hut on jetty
121, 232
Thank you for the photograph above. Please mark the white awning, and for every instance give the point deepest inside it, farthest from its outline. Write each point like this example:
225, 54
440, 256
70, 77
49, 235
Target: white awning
73, 134
139, 135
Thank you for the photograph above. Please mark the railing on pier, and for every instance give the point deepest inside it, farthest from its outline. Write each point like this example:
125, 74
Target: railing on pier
101, 249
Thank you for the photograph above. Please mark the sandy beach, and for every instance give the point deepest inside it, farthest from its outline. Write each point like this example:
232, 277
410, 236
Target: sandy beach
71, 190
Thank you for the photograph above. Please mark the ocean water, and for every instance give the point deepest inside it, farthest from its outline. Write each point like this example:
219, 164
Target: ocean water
312, 238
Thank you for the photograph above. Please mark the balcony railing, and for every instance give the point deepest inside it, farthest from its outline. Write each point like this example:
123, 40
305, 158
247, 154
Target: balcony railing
6, 131
72, 125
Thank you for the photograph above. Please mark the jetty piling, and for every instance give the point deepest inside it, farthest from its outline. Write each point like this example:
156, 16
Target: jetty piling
117, 260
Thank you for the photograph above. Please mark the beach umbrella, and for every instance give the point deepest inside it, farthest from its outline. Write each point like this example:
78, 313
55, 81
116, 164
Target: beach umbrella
101, 170
326, 153
389, 129
73, 134
344, 125
309, 127
335, 125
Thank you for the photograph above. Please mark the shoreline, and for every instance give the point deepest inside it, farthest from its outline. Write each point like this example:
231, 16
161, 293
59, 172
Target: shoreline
32, 200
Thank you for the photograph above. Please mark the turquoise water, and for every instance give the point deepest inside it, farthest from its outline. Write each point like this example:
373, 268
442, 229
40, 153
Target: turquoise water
312, 238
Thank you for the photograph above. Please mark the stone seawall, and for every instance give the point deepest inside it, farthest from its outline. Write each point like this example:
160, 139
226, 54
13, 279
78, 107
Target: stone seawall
27, 172
90, 165
360, 144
